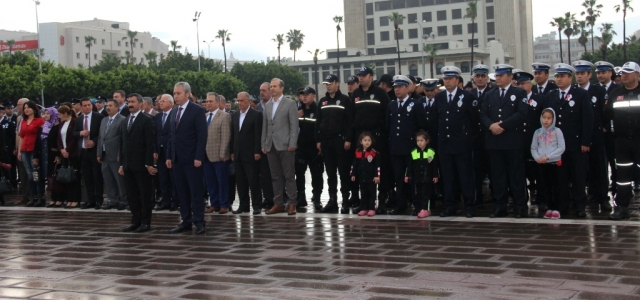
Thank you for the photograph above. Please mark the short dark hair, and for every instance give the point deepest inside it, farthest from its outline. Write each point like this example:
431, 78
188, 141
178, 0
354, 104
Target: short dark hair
423, 134
135, 95
85, 99
121, 92
365, 134
115, 103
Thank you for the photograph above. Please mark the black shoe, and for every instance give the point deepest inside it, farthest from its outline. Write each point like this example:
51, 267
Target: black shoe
174, 208
240, 210
581, 214
302, 202
317, 205
521, 214
32, 202
449, 212
398, 212
130, 228
122, 207
620, 213
354, 203
344, 210
542, 207
331, 207
200, 229
127, 208
606, 206
180, 228
143, 228
98, 206
87, 205
356, 210
256, 212
108, 206
470, 215
499, 213
161, 207
267, 205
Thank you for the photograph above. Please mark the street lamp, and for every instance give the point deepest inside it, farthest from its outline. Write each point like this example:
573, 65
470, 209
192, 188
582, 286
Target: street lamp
209, 45
39, 54
422, 48
196, 17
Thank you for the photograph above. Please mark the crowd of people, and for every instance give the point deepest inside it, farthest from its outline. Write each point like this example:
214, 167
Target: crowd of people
394, 144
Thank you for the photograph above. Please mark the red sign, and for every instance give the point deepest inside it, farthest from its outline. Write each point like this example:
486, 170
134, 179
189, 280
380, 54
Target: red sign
19, 46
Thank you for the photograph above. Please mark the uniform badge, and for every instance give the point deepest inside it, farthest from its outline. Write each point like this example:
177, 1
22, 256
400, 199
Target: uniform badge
429, 159
594, 99
324, 102
568, 97
606, 96
620, 98
513, 97
408, 108
357, 99
534, 103
474, 103
369, 158
371, 96
571, 103
338, 102
460, 103
311, 115
524, 100
461, 96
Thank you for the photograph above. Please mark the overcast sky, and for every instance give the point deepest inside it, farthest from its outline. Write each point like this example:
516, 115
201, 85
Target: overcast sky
252, 23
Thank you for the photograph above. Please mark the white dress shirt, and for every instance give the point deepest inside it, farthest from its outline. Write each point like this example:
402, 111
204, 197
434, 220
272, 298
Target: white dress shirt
88, 117
63, 134
452, 93
275, 105
242, 115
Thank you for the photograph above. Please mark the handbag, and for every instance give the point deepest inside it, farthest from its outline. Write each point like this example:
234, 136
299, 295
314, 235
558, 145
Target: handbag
66, 174
5, 185
53, 185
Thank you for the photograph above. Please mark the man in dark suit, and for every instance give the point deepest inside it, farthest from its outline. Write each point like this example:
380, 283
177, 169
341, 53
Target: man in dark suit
246, 152
87, 132
575, 118
185, 154
605, 74
541, 76
167, 181
137, 164
120, 96
503, 113
480, 157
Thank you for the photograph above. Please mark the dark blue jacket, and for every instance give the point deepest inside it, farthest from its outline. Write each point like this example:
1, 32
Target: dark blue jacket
457, 122
187, 140
403, 125
575, 117
511, 110
162, 134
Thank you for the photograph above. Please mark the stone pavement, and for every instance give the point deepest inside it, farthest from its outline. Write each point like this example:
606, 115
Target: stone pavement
74, 254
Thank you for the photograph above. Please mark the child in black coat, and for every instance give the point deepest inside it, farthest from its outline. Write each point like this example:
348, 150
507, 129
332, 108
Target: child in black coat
423, 174
366, 169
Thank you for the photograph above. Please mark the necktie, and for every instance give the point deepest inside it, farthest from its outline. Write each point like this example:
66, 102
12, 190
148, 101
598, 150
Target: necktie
541, 90
430, 102
178, 117
164, 118
209, 119
450, 98
86, 127
130, 121
479, 94
109, 124
501, 93
562, 97
400, 104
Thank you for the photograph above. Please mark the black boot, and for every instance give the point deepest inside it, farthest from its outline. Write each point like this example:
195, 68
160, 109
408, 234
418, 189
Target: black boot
302, 202
40, 202
316, 203
620, 213
32, 202
331, 207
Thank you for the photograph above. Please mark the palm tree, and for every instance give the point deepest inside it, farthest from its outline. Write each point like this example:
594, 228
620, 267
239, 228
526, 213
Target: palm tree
584, 33
626, 5
89, 40
151, 57
593, 13
295, 38
175, 46
131, 35
569, 30
127, 57
472, 13
559, 23
607, 36
279, 40
397, 19
10, 43
225, 36
315, 67
338, 20
431, 51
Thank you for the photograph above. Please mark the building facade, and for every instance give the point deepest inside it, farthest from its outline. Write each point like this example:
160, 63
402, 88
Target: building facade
546, 48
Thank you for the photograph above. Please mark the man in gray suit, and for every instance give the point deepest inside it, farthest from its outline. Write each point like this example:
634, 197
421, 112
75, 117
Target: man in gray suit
279, 142
108, 152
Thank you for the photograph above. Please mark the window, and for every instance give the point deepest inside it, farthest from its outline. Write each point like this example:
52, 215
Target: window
103, 41
442, 15
118, 43
399, 33
77, 54
442, 30
413, 33
415, 47
489, 12
379, 70
399, 4
426, 16
86, 56
95, 56
384, 36
427, 31
141, 60
370, 24
371, 39
383, 5
126, 44
141, 45
464, 67
472, 43
442, 1
427, 2
491, 28
413, 3
371, 51
413, 70
439, 68
77, 40
346, 74
456, 29
391, 70
369, 9
384, 21
472, 28
413, 18
456, 14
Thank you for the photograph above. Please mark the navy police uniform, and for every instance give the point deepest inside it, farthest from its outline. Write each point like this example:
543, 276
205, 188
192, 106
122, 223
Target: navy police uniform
480, 157
546, 87
307, 153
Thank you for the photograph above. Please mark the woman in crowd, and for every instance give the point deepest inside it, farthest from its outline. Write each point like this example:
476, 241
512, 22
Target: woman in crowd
50, 132
68, 146
29, 151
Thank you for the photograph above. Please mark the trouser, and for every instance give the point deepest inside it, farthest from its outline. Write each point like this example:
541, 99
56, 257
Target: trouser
456, 172
507, 175
422, 195
13, 172
36, 188
139, 195
283, 174
73, 189
367, 195
23, 189
399, 163
189, 188
266, 183
309, 158
335, 161
232, 183
573, 176
247, 177
598, 182
167, 181
481, 166
627, 162
217, 177
549, 185
92, 175
610, 151
114, 183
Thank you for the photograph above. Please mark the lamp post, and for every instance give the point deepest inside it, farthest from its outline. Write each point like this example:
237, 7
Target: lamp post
39, 54
422, 48
209, 45
196, 17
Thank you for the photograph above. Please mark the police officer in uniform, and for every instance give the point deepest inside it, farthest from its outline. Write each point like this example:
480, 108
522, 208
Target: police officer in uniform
480, 158
597, 169
307, 154
405, 116
457, 117
534, 103
572, 105
430, 88
623, 107
503, 114
334, 133
605, 74
418, 91
541, 76
385, 82
353, 83
370, 108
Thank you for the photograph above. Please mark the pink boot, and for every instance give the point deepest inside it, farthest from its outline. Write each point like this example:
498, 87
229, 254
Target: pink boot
371, 213
423, 214
363, 213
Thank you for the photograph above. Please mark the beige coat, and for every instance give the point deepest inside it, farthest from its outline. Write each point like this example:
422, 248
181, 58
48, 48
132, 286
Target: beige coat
219, 136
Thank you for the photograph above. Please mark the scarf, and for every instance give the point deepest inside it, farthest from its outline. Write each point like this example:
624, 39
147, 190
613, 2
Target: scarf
46, 128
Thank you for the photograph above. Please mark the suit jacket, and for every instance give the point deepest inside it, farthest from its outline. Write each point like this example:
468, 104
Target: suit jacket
94, 129
125, 111
152, 113
548, 88
162, 132
137, 143
9, 136
246, 141
511, 110
598, 95
71, 140
219, 136
457, 121
188, 139
110, 138
280, 131
104, 112
403, 123
575, 117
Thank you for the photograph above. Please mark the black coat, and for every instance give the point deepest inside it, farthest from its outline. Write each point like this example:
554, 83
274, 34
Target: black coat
430, 115
550, 87
422, 168
511, 110
370, 109
246, 141
334, 117
575, 117
403, 123
597, 96
366, 165
138, 143
535, 104
94, 129
457, 122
